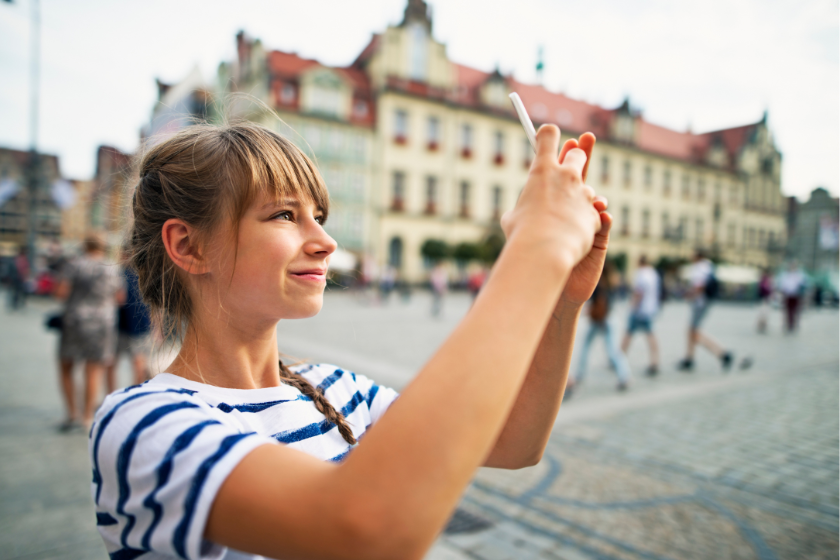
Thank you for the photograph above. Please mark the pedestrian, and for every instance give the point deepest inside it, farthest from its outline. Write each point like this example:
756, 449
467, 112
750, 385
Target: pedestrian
599, 310
703, 287
643, 309
476, 280
231, 452
19, 280
387, 281
439, 280
92, 287
792, 284
765, 292
133, 334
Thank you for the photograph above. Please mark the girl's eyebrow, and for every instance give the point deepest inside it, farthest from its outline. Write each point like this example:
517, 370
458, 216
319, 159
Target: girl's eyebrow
278, 203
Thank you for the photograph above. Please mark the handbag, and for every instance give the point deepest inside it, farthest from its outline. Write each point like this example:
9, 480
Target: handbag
54, 321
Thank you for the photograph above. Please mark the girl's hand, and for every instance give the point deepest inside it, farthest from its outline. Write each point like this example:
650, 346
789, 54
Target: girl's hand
556, 211
585, 275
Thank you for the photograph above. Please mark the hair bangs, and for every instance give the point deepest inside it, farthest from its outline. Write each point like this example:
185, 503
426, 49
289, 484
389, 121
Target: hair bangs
272, 167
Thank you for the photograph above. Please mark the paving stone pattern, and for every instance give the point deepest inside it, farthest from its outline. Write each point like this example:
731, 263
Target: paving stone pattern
704, 465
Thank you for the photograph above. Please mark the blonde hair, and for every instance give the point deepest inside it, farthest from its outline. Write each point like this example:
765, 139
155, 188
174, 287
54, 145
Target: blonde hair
208, 176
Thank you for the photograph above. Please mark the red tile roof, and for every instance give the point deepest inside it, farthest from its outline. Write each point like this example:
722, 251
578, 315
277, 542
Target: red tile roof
543, 106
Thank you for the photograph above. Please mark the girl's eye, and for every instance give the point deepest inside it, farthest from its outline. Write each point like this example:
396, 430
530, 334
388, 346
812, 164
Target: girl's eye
284, 216
320, 219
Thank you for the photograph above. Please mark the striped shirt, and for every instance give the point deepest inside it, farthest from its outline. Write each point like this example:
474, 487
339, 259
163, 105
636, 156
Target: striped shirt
160, 451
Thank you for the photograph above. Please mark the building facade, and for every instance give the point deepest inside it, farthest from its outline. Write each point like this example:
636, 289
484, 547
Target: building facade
16, 199
414, 147
813, 235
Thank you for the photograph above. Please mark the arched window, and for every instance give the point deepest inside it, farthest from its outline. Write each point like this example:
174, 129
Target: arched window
395, 252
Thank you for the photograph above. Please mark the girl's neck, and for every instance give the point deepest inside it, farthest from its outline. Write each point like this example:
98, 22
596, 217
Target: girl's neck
217, 353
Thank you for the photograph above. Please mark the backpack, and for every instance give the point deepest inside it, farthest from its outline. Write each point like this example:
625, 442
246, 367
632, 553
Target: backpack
712, 287
600, 305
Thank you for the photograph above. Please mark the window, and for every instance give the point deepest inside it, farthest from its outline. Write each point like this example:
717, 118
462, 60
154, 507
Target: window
605, 170
464, 197
666, 183
497, 202
666, 226
325, 100
287, 94
686, 187
730, 235
433, 133
359, 148
698, 232
498, 147
360, 109
419, 52
701, 189
398, 192
646, 223
718, 191
466, 141
528, 153
400, 126
752, 238
733, 194
431, 195
682, 229
761, 241
648, 177
628, 174
625, 221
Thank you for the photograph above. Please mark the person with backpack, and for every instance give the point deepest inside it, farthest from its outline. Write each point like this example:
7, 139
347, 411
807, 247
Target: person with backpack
704, 287
599, 310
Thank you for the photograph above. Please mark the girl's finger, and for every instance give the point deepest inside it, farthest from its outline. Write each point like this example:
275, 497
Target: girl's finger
548, 141
590, 192
569, 144
601, 204
576, 159
586, 143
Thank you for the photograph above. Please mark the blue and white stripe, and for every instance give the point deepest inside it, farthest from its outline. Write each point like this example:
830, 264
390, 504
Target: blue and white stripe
161, 450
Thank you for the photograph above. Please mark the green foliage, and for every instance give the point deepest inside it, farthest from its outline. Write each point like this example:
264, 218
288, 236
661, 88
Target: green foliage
466, 252
618, 261
491, 247
435, 250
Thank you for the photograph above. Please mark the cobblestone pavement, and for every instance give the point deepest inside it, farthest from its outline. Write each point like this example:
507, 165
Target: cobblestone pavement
701, 465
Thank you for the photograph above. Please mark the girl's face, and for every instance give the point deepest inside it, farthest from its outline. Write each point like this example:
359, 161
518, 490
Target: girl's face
280, 267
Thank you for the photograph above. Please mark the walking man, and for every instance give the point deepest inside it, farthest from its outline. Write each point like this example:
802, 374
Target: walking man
792, 286
644, 306
703, 289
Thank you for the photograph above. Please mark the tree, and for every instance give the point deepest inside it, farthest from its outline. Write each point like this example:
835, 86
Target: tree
435, 250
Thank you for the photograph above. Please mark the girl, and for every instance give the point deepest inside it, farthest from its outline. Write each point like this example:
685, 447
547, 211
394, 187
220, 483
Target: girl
233, 454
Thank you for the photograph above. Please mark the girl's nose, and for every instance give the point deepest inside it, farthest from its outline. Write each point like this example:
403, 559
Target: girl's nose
320, 242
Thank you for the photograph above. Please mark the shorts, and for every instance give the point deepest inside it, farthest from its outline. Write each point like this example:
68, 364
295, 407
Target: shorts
699, 307
639, 322
133, 345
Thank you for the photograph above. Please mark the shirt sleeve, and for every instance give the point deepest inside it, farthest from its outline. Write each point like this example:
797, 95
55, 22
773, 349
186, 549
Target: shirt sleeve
377, 397
159, 458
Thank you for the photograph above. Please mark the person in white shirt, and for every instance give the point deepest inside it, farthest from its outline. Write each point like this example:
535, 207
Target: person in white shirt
233, 454
792, 284
701, 277
644, 307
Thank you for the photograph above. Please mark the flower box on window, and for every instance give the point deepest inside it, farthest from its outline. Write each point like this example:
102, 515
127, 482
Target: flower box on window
499, 159
397, 205
465, 211
400, 140
432, 146
466, 153
431, 209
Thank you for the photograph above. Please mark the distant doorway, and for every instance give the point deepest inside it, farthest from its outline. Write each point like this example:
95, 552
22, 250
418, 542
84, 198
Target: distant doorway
395, 252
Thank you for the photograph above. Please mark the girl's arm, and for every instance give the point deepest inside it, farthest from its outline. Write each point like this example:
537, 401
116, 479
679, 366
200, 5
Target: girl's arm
394, 492
525, 435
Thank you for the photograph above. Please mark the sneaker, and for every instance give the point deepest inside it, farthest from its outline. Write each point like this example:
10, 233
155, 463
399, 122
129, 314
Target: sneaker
652, 371
69, 426
686, 365
622, 386
746, 363
726, 361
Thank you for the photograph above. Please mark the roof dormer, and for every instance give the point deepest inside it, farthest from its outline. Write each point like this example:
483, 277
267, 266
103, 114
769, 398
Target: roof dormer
324, 92
495, 90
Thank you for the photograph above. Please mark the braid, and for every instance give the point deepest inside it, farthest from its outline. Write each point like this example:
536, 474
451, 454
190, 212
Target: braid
321, 402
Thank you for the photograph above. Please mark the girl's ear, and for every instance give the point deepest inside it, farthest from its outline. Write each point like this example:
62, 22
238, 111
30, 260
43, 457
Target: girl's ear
181, 243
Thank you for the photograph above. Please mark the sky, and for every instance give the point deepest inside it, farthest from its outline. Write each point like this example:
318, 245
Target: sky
688, 64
